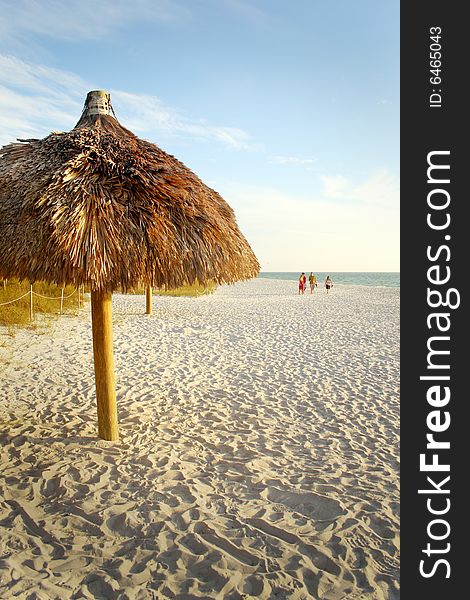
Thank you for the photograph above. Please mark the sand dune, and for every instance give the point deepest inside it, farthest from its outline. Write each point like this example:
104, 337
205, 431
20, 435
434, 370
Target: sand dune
258, 454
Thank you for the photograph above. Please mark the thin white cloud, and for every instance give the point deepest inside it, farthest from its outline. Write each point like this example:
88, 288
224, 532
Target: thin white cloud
380, 188
335, 187
147, 114
82, 19
293, 160
34, 99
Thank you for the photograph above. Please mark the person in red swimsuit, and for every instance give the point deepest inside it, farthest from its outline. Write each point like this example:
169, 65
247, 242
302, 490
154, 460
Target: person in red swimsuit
302, 283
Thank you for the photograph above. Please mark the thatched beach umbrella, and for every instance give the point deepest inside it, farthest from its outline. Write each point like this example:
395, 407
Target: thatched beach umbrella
101, 207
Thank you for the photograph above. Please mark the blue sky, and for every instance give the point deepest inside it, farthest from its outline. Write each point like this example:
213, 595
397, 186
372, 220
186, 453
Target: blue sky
289, 109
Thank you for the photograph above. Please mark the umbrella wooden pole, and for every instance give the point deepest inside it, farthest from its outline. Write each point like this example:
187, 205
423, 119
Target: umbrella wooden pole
148, 301
102, 325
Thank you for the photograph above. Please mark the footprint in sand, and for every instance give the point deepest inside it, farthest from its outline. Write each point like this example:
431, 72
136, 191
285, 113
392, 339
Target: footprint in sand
98, 587
119, 524
253, 586
311, 505
381, 527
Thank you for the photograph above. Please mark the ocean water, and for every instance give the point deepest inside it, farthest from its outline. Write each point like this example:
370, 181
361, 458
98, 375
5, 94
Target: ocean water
385, 279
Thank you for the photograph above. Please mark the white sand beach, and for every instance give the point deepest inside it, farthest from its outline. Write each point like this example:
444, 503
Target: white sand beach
258, 455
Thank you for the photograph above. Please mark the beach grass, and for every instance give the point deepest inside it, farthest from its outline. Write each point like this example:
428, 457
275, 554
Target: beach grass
193, 290
46, 300
196, 289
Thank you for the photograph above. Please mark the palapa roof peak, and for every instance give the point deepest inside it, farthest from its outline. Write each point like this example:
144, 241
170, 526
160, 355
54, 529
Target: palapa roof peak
99, 206
98, 102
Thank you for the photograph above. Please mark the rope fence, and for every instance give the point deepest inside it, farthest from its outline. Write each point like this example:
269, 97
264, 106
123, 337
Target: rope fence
32, 293
52, 297
15, 300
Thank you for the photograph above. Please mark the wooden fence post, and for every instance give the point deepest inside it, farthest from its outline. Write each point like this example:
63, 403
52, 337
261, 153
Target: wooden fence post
31, 312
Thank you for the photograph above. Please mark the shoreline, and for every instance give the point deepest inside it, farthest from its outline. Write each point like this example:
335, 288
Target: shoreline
343, 278
320, 285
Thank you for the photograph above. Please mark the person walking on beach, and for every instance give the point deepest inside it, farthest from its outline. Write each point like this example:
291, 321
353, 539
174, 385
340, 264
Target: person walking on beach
312, 281
302, 282
328, 284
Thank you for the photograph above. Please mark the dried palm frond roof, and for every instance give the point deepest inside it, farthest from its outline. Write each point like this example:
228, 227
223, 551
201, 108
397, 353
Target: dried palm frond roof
98, 205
